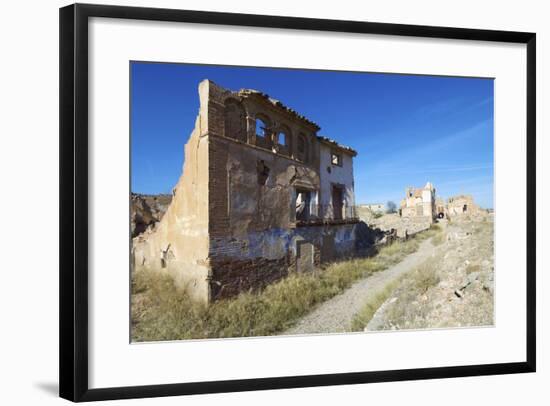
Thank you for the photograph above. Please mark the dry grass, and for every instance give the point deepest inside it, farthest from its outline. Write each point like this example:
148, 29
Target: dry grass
410, 285
408, 309
423, 277
161, 312
365, 315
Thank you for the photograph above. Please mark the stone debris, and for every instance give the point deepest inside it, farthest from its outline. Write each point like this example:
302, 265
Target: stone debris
464, 295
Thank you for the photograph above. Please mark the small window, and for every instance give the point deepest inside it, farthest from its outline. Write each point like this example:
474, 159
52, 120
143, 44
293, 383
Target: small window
261, 128
336, 159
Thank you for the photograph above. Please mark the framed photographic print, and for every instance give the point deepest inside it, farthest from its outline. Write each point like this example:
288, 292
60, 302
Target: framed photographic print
256, 202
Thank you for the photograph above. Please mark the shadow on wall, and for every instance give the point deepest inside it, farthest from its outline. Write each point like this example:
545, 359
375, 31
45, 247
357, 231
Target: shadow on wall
366, 238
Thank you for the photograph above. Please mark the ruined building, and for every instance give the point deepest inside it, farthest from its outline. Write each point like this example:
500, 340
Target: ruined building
461, 205
419, 203
261, 195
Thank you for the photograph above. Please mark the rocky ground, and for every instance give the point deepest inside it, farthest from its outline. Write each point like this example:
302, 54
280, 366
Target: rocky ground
453, 288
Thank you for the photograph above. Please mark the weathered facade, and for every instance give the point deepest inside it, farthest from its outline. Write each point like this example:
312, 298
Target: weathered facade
461, 205
419, 202
261, 195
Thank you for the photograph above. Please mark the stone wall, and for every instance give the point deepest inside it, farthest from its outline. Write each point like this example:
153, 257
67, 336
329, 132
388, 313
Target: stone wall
252, 189
461, 205
336, 175
404, 226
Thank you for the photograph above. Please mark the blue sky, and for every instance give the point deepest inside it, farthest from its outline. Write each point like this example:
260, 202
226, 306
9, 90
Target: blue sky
407, 129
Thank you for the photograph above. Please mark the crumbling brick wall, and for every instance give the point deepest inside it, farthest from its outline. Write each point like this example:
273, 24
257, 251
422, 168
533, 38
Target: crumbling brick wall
252, 182
461, 205
419, 202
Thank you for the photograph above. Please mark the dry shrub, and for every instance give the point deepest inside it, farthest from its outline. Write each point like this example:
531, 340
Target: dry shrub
424, 277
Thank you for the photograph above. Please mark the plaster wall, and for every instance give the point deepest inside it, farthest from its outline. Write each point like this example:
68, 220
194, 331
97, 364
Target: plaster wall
335, 175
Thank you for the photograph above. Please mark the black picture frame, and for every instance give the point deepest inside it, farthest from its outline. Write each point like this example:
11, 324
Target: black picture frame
73, 277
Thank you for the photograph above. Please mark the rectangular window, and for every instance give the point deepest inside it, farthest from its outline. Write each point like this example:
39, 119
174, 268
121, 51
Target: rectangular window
302, 204
336, 159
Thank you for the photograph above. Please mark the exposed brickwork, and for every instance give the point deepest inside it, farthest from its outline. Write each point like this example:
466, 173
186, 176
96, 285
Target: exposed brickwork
231, 277
218, 186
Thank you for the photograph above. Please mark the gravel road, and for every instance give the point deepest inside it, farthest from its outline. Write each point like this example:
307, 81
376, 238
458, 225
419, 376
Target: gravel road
336, 314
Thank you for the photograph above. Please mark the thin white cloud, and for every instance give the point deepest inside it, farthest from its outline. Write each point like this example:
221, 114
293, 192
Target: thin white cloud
434, 170
409, 154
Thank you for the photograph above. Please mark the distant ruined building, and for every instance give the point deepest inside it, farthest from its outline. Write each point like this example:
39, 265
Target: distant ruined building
419, 203
422, 203
461, 205
261, 195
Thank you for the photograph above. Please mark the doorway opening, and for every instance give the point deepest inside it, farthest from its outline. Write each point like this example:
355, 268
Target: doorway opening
337, 202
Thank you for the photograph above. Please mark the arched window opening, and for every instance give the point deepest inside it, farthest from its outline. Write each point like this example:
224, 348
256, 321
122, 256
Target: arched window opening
262, 127
282, 139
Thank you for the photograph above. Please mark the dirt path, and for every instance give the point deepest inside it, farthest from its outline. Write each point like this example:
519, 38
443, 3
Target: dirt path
336, 314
